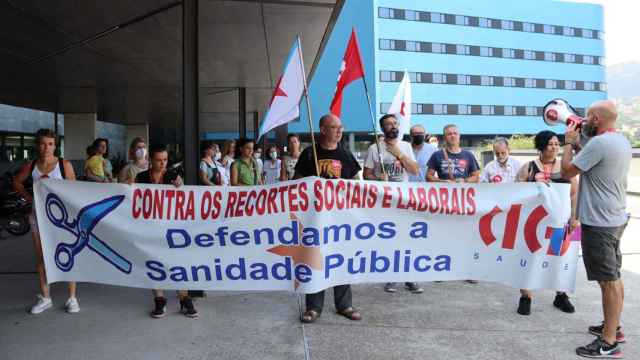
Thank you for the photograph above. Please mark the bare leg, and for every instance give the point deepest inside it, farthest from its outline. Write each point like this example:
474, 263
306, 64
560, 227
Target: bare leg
157, 293
42, 276
612, 297
72, 289
526, 293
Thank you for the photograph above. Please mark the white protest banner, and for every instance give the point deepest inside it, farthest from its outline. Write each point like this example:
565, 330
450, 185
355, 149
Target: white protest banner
305, 235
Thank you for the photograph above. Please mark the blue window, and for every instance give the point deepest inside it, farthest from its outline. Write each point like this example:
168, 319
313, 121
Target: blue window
463, 50
506, 25
486, 80
437, 17
438, 48
486, 51
528, 27
385, 76
488, 110
484, 22
411, 15
508, 53
464, 79
509, 110
462, 20
386, 44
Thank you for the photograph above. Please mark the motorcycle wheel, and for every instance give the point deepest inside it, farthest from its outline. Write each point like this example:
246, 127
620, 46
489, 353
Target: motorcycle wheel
18, 225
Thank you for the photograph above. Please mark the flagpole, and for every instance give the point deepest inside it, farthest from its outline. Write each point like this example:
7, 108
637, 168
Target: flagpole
306, 95
373, 123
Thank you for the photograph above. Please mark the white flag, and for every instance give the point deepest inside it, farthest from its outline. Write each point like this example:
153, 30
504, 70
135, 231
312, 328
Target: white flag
285, 102
401, 105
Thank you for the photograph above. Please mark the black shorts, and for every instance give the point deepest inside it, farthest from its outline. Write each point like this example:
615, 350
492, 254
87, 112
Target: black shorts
601, 252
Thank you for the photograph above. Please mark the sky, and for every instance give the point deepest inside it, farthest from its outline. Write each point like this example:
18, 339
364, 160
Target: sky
621, 29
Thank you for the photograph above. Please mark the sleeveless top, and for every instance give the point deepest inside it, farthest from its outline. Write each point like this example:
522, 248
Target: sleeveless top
247, 174
36, 175
554, 176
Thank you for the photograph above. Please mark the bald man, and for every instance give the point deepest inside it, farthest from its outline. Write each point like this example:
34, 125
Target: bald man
603, 164
334, 162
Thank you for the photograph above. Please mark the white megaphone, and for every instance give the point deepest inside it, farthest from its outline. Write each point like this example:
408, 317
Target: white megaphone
558, 111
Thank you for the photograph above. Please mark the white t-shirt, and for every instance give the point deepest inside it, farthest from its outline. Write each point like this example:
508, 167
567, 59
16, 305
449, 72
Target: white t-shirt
392, 165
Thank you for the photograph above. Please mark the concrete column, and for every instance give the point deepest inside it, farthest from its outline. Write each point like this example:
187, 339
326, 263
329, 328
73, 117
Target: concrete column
190, 95
79, 132
134, 131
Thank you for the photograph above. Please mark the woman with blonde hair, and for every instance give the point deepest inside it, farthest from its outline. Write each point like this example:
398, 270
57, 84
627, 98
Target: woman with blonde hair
228, 156
45, 166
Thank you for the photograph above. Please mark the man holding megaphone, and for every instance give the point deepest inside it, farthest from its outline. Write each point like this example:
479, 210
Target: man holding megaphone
559, 112
603, 163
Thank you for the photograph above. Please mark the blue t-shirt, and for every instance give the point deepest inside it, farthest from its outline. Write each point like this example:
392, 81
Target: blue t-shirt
460, 165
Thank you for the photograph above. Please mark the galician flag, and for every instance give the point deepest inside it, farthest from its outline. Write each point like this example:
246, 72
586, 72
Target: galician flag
401, 104
285, 101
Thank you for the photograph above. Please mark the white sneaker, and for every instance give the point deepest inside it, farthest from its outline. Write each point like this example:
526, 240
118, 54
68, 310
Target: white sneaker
41, 305
72, 306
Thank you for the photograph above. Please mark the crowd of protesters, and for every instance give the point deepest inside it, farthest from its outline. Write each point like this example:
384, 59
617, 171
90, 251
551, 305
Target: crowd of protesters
603, 163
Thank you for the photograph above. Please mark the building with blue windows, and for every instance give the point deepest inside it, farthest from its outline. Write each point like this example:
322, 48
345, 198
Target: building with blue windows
486, 65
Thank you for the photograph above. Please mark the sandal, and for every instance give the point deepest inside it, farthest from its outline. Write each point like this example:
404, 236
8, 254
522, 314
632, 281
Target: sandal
350, 313
310, 316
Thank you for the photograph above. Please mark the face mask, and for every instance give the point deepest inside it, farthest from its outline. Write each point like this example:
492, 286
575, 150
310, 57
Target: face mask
274, 155
217, 156
392, 133
417, 139
257, 156
141, 153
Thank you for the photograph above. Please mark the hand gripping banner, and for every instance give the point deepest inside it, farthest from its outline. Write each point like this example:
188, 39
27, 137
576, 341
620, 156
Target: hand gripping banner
306, 235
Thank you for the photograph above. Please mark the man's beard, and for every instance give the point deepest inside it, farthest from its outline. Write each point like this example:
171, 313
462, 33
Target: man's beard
588, 130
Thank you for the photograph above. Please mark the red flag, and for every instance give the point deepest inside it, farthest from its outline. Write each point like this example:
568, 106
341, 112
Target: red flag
350, 70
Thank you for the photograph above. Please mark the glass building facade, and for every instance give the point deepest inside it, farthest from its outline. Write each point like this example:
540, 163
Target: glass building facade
487, 65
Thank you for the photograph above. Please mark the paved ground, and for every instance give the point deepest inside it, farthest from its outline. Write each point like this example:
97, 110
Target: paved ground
451, 320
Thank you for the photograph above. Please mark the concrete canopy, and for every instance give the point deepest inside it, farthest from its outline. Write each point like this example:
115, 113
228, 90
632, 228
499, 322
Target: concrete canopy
133, 74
